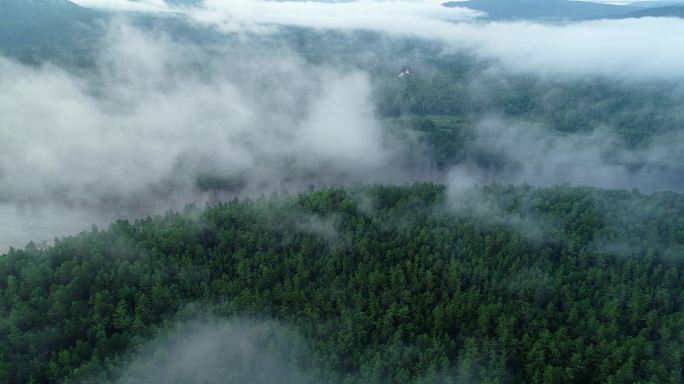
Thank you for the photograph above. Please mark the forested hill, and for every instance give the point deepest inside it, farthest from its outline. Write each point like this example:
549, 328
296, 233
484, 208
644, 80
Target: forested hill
542, 9
671, 11
32, 27
386, 284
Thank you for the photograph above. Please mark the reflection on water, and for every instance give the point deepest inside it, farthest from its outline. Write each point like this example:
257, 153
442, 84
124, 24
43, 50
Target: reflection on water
22, 223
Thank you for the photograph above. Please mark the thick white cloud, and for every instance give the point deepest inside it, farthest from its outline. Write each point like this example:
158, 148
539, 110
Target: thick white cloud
644, 48
630, 48
405, 18
126, 5
154, 116
146, 115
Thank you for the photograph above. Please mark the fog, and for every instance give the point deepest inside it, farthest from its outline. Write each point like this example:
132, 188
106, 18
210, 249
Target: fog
626, 49
258, 351
155, 114
213, 351
157, 122
516, 152
126, 5
290, 96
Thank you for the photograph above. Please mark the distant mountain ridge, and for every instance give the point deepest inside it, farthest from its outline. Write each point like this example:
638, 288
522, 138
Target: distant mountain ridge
670, 11
656, 4
567, 9
40, 8
42, 25
542, 9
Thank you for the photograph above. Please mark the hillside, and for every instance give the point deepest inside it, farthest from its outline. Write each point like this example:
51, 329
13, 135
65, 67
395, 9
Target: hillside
672, 11
42, 25
385, 284
656, 4
40, 8
542, 9
334, 191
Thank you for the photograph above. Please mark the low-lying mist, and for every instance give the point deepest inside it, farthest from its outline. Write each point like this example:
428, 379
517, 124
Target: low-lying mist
154, 115
258, 351
235, 351
512, 152
157, 121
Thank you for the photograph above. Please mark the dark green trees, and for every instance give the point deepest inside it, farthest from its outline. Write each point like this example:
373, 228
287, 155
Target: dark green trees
387, 284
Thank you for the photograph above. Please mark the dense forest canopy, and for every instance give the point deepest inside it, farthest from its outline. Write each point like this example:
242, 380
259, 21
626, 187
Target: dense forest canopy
341, 192
385, 284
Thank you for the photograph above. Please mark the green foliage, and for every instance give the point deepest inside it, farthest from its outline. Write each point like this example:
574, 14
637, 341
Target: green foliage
405, 289
461, 86
443, 138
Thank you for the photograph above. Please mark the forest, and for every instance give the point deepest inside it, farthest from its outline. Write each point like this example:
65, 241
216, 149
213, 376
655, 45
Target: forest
341, 192
385, 283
